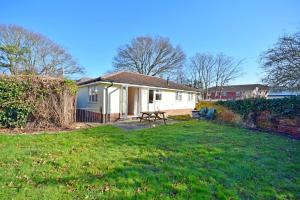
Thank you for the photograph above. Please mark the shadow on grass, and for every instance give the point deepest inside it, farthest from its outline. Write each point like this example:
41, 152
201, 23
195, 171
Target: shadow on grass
223, 159
154, 176
186, 160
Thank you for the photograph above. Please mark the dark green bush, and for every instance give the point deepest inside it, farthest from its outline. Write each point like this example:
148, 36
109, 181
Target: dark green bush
286, 107
38, 100
13, 112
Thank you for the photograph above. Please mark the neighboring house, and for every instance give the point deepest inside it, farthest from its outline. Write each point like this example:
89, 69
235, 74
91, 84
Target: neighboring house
126, 94
233, 92
275, 94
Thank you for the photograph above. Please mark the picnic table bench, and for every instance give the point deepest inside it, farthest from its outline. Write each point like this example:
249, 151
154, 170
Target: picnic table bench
153, 116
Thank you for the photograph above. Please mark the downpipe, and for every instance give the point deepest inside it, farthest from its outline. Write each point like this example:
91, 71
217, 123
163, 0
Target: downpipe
106, 103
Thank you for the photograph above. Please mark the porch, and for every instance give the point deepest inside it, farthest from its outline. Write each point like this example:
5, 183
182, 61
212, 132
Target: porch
130, 102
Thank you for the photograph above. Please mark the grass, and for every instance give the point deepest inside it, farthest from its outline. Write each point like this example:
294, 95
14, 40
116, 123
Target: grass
180, 117
187, 160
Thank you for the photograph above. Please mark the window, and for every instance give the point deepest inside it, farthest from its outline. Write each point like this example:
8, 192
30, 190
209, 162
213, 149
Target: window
93, 96
198, 97
224, 94
151, 93
191, 96
178, 96
157, 95
238, 94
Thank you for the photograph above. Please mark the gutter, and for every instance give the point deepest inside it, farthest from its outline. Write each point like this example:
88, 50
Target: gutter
141, 86
106, 102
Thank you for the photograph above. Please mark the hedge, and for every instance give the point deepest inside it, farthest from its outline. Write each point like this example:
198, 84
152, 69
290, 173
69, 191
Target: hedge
223, 114
36, 102
286, 107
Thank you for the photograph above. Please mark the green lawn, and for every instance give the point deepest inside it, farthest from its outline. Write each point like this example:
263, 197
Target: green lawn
188, 160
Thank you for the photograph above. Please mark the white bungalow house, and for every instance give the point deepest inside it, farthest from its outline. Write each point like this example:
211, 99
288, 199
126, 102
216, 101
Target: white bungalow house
126, 94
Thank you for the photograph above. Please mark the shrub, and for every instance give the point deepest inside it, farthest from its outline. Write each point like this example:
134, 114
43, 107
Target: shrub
13, 113
180, 117
278, 115
287, 107
223, 114
209, 104
37, 102
264, 121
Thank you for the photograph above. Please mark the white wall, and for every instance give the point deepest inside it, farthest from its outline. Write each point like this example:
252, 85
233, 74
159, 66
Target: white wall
114, 99
167, 102
144, 100
83, 99
113, 96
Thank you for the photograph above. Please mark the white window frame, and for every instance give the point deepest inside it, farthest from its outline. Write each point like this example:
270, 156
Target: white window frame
93, 94
190, 96
178, 96
198, 97
153, 96
238, 93
158, 92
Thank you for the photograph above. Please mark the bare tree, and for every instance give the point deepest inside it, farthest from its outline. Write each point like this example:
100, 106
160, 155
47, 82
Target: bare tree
149, 56
179, 76
226, 69
25, 52
202, 71
206, 70
282, 63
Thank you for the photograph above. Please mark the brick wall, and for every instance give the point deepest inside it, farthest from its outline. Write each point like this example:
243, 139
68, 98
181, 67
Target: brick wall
179, 112
113, 117
229, 95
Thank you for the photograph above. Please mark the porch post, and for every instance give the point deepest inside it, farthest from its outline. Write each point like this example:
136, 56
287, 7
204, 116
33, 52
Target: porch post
126, 102
139, 101
148, 99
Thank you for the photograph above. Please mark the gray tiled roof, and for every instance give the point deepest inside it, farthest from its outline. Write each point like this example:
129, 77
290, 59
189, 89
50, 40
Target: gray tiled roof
140, 79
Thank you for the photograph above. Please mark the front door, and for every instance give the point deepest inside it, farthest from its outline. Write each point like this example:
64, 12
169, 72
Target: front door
133, 101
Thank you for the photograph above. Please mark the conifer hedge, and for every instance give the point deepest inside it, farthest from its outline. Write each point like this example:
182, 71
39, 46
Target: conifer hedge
285, 107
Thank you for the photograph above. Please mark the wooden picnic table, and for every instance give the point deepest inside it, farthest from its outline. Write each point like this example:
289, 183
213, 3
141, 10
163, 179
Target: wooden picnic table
155, 115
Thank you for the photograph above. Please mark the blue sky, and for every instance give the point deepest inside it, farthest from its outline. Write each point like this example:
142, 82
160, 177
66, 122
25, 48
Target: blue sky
93, 30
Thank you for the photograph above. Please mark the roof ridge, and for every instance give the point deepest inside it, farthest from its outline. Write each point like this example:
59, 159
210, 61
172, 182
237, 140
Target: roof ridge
141, 74
112, 74
135, 73
170, 81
